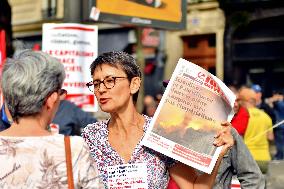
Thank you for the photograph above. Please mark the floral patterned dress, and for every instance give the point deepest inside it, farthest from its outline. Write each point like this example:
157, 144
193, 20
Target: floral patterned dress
96, 136
39, 162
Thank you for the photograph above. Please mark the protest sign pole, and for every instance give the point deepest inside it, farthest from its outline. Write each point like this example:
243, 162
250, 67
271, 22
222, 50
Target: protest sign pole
266, 131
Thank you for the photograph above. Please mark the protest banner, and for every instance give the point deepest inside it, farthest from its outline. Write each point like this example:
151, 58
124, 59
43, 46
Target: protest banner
190, 113
76, 46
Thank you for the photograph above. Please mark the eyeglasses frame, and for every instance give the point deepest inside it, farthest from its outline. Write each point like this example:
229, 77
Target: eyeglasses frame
91, 83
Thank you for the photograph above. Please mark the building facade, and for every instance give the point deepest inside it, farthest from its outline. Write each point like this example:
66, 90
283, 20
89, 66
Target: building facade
202, 40
253, 43
239, 41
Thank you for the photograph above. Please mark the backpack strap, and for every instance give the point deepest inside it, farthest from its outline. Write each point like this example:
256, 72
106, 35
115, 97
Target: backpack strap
68, 162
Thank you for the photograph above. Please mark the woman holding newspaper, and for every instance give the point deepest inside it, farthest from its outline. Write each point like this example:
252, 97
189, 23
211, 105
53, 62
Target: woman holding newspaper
115, 143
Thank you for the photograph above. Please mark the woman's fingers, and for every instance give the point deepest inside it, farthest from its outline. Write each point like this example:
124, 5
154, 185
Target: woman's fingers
226, 128
224, 137
226, 124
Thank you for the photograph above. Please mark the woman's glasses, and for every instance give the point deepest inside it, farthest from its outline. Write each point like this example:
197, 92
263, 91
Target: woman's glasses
62, 92
109, 82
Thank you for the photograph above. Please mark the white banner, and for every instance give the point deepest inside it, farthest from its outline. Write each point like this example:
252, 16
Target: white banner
76, 46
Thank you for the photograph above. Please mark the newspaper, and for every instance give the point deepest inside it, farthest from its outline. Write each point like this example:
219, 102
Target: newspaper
191, 110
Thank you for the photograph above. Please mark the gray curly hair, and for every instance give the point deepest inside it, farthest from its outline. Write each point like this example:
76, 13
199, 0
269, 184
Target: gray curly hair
28, 79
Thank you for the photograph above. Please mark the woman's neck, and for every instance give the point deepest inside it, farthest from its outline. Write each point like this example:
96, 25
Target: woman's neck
126, 122
27, 127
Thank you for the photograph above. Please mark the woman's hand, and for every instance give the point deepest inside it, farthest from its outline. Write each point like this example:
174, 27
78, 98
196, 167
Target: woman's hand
224, 138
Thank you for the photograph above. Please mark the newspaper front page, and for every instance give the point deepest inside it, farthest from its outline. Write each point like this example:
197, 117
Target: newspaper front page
191, 110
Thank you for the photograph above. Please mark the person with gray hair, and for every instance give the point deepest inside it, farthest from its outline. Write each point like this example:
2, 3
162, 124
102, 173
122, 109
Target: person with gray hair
30, 155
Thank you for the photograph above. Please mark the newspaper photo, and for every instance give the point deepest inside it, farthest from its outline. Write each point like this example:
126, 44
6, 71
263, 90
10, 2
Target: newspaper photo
190, 113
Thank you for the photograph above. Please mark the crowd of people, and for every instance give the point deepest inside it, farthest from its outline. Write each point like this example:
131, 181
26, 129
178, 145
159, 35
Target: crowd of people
262, 123
35, 157
265, 117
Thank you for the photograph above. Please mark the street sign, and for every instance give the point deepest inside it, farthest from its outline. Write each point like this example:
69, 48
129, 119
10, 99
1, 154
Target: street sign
166, 14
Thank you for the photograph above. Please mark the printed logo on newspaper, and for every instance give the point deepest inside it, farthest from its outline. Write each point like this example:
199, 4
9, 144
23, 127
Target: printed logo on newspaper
208, 82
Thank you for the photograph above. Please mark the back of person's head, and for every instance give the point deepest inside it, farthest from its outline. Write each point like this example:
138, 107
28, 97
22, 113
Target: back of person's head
248, 96
150, 105
278, 91
148, 99
158, 97
28, 79
121, 60
257, 88
277, 95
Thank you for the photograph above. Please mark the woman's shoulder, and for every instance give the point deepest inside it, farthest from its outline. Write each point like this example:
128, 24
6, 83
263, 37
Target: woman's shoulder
95, 130
95, 126
57, 139
52, 144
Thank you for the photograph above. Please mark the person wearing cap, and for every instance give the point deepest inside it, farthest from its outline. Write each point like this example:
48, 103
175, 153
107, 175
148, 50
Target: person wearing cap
261, 104
259, 130
237, 161
257, 89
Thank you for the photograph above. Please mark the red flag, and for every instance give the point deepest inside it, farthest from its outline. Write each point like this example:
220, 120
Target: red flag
2, 48
2, 57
